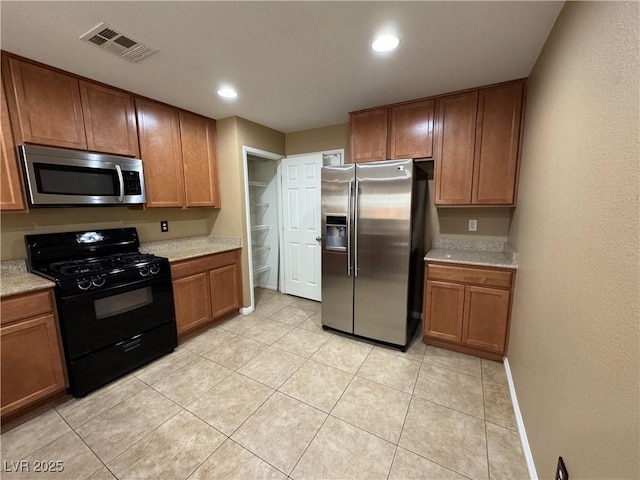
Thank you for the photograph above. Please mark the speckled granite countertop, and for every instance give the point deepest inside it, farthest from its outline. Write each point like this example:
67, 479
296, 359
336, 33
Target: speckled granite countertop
473, 252
191, 247
15, 279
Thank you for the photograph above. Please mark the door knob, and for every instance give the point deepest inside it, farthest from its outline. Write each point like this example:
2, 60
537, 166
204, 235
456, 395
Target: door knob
318, 239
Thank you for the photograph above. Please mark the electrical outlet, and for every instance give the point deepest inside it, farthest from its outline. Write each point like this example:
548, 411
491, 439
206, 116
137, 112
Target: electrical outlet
561, 470
164, 226
473, 225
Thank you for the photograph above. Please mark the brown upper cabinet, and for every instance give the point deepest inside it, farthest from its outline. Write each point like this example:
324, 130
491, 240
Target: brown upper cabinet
399, 131
109, 120
473, 138
10, 191
369, 135
48, 107
45, 105
455, 147
411, 133
178, 151
477, 146
200, 161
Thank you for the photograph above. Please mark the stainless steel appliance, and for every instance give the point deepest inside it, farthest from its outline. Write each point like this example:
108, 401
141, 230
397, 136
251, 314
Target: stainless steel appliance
115, 305
57, 176
373, 245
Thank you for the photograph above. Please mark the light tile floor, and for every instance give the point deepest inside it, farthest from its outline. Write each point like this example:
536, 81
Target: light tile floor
272, 395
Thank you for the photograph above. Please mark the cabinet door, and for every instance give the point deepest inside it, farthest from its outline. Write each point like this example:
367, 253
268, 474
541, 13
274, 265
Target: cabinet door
486, 316
497, 144
47, 105
369, 136
412, 130
455, 134
110, 120
224, 290
443, 310
199, 159
159, 127
32, 365
11, 188
192, 301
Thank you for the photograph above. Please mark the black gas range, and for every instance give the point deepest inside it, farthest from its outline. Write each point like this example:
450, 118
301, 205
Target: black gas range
115, 304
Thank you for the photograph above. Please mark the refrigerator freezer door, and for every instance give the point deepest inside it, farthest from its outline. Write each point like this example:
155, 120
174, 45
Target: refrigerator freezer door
382, 250
337, 276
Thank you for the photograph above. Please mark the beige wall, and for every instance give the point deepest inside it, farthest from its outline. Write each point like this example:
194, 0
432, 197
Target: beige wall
453, 223
182, 223
321, 139
233, 134
575, 325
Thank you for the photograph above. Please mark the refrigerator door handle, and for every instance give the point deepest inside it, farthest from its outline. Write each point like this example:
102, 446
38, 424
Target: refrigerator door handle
349, 230
355, 229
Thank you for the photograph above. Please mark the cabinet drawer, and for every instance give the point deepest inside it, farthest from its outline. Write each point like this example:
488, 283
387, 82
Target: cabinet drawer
25, 306
476, 276
202, 264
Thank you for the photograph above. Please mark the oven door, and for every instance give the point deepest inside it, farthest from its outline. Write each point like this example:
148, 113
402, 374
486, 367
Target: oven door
95, 320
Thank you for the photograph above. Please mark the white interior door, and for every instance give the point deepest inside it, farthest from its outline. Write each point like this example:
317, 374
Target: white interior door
301, 225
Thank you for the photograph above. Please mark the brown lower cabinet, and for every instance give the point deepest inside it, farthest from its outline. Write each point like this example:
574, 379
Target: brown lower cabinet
468, 309
206, 289
32, 356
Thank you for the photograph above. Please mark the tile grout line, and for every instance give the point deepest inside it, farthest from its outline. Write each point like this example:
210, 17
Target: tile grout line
211, 454
413, 395
325, 420
87, 445
484, 407
453, 370
405, 419
181, 409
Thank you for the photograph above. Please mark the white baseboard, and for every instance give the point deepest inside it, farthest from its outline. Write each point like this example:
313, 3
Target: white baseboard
523, 434
246, 310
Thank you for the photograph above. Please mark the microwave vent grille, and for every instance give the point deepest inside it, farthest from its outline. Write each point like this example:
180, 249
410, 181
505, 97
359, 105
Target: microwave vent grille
109, 39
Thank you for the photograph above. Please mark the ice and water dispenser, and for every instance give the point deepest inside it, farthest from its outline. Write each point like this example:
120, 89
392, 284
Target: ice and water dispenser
336, 233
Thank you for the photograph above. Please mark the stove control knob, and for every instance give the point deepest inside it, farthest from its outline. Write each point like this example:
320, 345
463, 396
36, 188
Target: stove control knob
84, 284
154, 269
144, 271
97, 281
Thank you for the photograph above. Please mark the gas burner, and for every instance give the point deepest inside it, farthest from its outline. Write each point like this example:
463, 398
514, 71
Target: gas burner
134, 258
77, 267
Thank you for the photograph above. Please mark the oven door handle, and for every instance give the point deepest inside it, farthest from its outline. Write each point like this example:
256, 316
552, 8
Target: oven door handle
131, 344
121, 181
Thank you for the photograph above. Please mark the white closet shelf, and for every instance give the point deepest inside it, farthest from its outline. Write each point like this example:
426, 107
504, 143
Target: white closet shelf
258, 249
258, 184
261, 269
259, 228
260, 205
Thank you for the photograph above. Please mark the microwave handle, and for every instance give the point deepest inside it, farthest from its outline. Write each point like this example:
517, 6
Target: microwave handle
121, 180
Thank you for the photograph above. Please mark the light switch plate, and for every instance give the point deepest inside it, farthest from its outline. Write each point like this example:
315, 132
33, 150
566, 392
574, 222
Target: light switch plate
473, 225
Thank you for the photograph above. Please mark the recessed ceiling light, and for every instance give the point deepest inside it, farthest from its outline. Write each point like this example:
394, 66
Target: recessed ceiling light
227, 92
385, 43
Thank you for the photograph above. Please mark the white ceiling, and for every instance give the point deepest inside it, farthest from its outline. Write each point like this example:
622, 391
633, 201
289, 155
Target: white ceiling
296, 65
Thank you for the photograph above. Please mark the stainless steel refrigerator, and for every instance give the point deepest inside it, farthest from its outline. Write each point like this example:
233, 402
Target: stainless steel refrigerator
373, 218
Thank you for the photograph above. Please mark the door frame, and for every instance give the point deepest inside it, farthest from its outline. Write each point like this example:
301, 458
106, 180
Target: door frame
247, 217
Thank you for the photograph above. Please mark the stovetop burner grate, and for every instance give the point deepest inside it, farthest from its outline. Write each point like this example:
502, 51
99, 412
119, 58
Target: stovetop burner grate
76, 267
103, 264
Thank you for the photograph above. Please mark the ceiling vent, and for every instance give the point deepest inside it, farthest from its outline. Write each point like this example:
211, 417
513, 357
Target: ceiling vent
106, 38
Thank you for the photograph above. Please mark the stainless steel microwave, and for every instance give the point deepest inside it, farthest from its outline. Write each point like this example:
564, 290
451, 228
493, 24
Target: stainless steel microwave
58, 177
